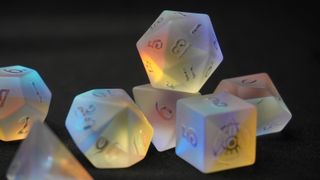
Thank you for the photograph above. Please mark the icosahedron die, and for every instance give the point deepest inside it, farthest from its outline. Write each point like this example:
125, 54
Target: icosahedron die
180, 51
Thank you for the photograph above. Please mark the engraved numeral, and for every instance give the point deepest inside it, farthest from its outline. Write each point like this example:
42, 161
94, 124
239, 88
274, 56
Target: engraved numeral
156, 44
217, 102
196, 29
189, 73
248, 81
85, 114
230, 143
180, 47
3, 96
14, 71
164, 112
25, 122
170, 85
190, 135
148, 66
37, 91
101, 143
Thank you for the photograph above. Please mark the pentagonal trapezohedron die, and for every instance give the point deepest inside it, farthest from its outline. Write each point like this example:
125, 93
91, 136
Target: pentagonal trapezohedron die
216, 132
180, 51
24, 98
258, 89
109, 128
159, 106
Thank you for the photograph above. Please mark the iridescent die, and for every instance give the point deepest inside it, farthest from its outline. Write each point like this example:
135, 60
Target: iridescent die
216, 132
42, 156
159, 106
180, 51
24, 98
258, 89
109, 128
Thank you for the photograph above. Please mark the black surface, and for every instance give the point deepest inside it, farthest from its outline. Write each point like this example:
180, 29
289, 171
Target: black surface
78, 46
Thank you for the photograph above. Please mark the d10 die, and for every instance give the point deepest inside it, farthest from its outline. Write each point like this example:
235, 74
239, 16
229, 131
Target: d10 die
109, 128
159, 106
216, 132
258, 89
24, 98
180, 51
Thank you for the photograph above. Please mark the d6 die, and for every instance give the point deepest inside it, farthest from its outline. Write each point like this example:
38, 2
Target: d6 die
180, 51
159, 106
109, 128
216, 132
24, 98
258, 89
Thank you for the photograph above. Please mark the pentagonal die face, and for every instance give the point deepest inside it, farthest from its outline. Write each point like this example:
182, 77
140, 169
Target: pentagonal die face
108, 128
159, 106
180, 51
216, 132
24, 98
258, 89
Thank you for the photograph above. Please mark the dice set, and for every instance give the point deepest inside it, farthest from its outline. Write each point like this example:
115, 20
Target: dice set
180, 51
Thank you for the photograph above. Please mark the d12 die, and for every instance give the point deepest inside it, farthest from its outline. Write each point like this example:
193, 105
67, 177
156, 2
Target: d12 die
159, 106
258, 89
109, 128
180, 51
24, 98
216, 132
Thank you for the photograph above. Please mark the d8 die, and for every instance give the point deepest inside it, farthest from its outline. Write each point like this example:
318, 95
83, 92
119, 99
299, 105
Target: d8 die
258, 89
180, 51
159, 106
24, 98
109, 128
216, 132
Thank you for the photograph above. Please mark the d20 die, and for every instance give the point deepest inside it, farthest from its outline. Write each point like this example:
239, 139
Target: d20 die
216, 132
109, 128
258, 89
24, 98
180, 51
43, 156
159, 106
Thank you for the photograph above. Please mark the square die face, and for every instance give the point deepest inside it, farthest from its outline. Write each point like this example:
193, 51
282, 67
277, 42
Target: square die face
190, 135
230, 140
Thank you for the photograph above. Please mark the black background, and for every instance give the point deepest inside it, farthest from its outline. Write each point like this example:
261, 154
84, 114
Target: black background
78, 46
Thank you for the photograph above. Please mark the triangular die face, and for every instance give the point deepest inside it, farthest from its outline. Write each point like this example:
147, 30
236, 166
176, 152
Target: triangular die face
273, 114
36, 92
110, 145
89, 118
43, 156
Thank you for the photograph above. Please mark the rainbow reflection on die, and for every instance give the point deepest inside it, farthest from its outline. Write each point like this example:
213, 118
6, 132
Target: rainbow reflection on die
216, 132
159, 106
24, 98
180, 51
109, 128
